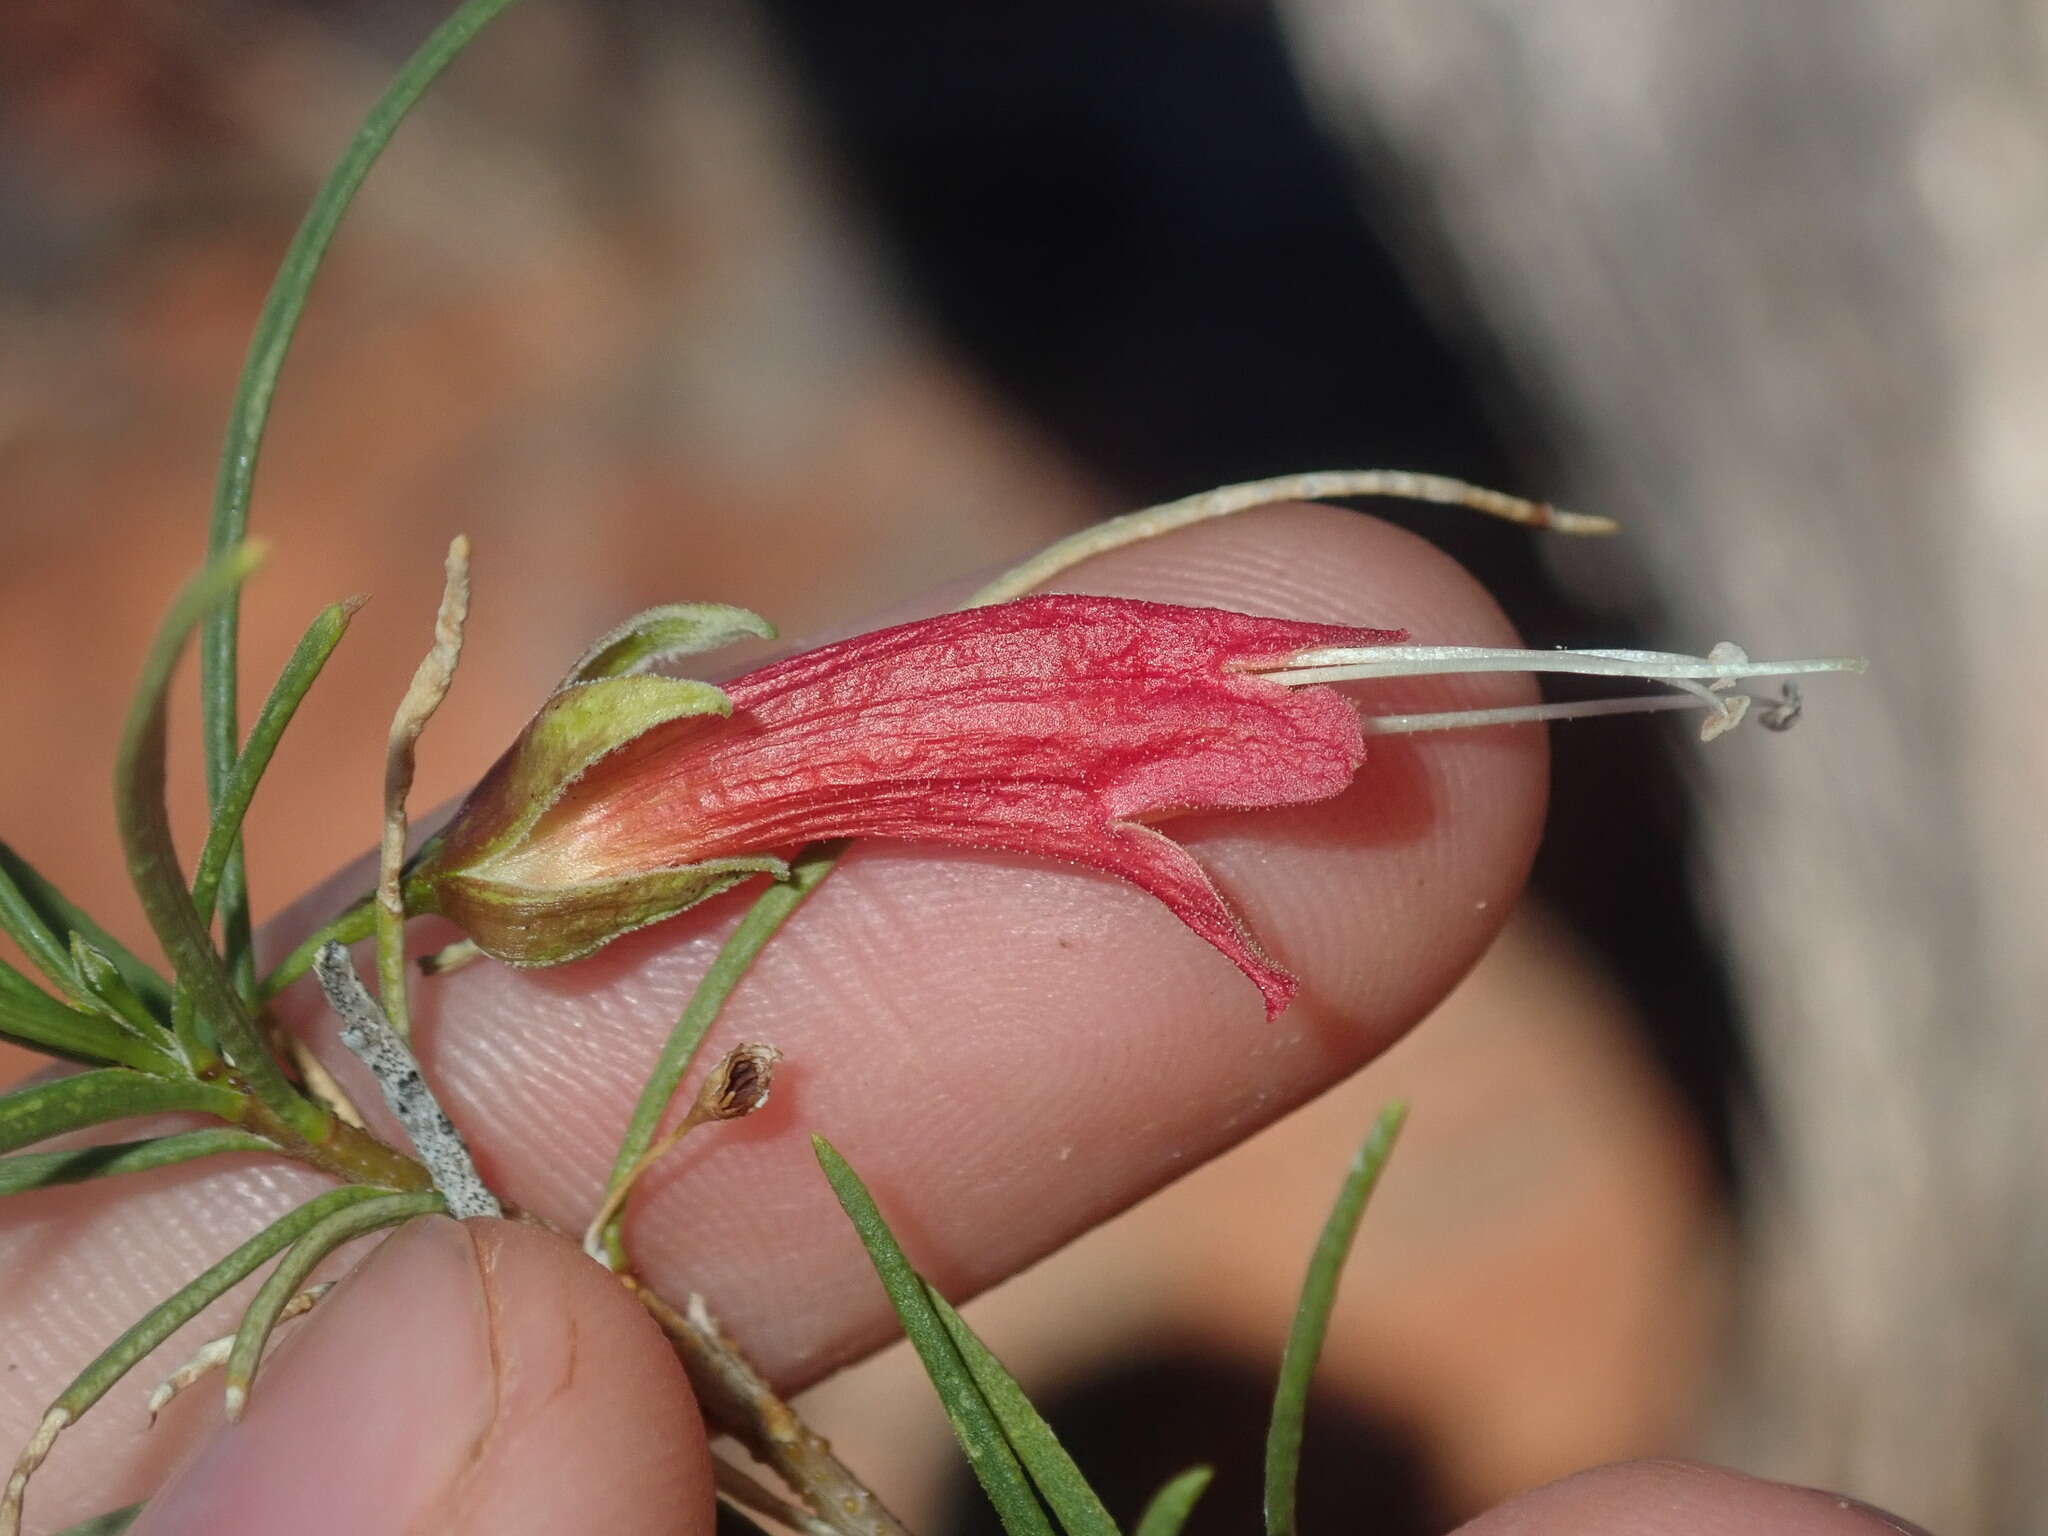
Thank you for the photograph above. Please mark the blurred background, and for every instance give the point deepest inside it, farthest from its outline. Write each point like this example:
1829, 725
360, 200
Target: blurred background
1734, 1145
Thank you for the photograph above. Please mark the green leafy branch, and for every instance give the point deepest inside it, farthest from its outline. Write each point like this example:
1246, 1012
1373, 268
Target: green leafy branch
193, 1037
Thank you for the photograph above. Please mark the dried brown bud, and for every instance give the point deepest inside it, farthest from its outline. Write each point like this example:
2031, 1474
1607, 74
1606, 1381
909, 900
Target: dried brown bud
739, 1084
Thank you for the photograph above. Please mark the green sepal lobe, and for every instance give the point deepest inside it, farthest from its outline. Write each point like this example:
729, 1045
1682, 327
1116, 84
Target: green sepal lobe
674, 629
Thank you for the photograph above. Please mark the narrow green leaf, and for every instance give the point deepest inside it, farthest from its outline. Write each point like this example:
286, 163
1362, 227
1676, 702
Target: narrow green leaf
120, 1002
29, 1016
168, 1316
61, 916
14, 984
289, 1278
112, 1523
1171, 1505
1312, 1319
92, 1098
144, 820
251, 414
974, 1423
771, 909
22, 923
41, 1170
307, 658
1059, 1481
352, 925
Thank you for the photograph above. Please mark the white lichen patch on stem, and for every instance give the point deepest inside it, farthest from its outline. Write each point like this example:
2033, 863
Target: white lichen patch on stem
375, 1043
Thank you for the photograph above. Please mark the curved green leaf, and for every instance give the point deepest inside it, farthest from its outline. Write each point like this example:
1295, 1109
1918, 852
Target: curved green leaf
1312, 1319
1171, 1505
974, 1423
31, 1017
217, 1009
286, 1281
41, 1170
171, 1314
552, 924
92, 1098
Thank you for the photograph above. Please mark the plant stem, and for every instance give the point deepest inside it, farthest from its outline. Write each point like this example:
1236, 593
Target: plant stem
739, 1402
771, 909
1316, 485
347, 1153
351, 925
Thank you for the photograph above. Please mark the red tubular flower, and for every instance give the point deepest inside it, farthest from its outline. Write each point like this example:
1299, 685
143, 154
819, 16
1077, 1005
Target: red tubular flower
1062, 727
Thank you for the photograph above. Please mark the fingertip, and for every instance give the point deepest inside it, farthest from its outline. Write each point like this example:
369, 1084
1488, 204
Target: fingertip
1679, 1498
596, 1427
1379, 899
467, 1378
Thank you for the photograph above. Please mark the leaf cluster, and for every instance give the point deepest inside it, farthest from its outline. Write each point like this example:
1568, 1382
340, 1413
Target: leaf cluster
1021, 1465
192, 1035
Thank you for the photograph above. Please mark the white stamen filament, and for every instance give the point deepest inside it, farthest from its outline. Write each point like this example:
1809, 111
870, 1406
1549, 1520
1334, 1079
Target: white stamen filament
1703, 681
1341, 664
1530, 714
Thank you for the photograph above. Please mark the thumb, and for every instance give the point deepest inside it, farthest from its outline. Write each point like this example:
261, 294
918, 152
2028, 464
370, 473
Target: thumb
468, 1378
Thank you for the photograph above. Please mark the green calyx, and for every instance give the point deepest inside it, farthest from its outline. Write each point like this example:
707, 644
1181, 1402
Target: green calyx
576, 729
529, 925
473, 873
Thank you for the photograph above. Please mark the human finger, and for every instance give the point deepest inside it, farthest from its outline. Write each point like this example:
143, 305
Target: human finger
1008, 1051
1675, 1498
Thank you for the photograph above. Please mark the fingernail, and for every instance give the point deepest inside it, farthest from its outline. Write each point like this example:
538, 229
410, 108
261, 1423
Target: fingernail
363, 1416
